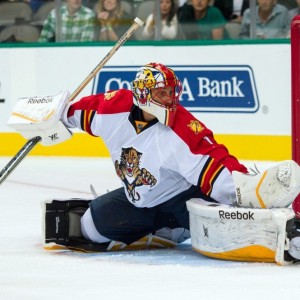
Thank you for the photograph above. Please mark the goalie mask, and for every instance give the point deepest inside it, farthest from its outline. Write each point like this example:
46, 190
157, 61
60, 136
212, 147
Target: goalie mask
156, 90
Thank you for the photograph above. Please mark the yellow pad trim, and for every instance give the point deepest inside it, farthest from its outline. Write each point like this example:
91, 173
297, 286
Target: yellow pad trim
60, 247
55, 247
16, 114
147, 242
144, 243
261, 202
254, 253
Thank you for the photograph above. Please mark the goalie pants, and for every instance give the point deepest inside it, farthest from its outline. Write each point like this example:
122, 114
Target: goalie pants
117, 219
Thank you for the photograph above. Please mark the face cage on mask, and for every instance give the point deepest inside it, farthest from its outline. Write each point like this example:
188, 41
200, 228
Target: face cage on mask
147, 90
141, 89
169, 103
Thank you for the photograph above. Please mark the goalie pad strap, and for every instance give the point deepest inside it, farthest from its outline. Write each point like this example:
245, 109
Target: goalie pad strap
241, 234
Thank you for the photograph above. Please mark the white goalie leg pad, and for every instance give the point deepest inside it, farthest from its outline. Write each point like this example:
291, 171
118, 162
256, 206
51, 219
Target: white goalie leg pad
40, 116
239, 234
278, 186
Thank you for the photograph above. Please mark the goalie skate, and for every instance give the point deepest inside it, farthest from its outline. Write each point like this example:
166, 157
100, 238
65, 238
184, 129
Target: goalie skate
293, 230
278, 186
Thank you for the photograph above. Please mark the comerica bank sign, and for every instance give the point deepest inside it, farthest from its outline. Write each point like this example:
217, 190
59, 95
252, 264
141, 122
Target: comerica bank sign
210, 88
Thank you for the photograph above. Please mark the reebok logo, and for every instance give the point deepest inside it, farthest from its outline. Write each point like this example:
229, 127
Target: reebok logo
57, 221
54, 137
236, 215
205, 231
39, 100
238, 196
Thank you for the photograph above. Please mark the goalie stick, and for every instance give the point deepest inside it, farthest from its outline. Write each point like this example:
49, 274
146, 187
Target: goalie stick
18, 157
30, 144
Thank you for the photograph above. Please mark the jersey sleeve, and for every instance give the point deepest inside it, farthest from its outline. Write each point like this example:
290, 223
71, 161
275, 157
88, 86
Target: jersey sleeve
84, 113
204, 155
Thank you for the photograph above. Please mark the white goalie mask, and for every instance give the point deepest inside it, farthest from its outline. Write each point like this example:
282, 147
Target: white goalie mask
157, 76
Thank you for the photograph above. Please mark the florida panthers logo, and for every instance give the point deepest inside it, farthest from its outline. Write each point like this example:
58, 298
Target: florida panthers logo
131, 174
195, 126
108, 96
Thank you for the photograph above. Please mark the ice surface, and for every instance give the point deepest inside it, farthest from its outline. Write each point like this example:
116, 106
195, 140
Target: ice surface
27, 271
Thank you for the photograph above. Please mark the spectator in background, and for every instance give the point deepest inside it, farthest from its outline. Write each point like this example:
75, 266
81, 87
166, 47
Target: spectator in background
77, 23
289, 4
113, 21
35, 4
201, 21
181, 2
232, 10
295, 11
271, 21
169, 22
88, 3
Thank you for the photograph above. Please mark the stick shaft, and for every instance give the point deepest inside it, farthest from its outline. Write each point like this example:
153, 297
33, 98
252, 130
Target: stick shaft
18, 157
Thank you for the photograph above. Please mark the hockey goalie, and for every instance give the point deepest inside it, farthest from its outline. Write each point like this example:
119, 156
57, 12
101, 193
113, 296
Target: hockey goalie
176, 180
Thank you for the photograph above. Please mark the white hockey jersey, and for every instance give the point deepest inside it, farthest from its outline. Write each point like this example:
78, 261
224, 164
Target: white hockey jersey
154, 162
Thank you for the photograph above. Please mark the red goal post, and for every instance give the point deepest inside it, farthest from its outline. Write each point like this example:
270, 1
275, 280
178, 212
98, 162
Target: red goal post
295, 86
295, 69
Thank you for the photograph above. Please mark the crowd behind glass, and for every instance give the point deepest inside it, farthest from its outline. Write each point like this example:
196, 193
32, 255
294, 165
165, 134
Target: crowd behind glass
107, 20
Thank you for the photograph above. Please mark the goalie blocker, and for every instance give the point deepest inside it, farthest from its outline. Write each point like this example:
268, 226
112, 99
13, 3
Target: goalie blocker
242, 234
